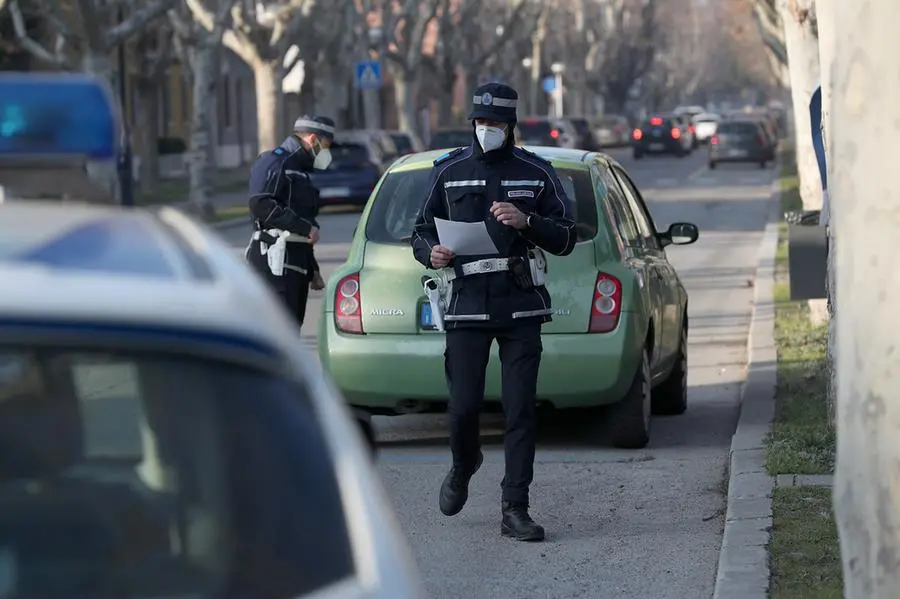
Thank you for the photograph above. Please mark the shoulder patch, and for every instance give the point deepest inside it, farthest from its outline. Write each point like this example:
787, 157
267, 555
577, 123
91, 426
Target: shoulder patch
531, 154
279, 151
448, 156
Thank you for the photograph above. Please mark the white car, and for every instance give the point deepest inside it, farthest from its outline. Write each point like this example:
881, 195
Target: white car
706, 124
163, 432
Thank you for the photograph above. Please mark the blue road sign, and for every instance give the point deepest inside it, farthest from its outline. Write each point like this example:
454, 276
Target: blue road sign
549, 84
368, 74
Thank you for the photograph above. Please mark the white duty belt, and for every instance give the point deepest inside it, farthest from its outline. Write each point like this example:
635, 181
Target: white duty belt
479, 267
277, 252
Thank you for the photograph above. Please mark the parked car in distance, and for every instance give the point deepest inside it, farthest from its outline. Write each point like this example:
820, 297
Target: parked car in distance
546, 131
451, 138
406, 143
612, 131
357, 163
662, 134
584, 134
705, 124
620, 323
740, 140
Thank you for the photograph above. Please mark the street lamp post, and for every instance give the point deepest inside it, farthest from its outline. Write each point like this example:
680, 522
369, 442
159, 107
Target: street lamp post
126, 171
372, 97
526, 65
558, 68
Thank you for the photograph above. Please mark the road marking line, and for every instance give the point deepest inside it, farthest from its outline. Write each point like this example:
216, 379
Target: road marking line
699, 172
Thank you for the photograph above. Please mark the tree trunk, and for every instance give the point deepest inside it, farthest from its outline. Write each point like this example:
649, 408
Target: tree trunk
204, 63
404, 96
148, 111
269, 104
103, 174
866, 220
826, 30
803, 63
445, 102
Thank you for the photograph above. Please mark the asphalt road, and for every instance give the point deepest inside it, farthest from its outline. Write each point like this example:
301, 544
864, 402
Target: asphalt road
620, 524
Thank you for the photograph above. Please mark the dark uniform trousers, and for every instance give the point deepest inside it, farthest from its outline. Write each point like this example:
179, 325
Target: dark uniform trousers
465, 362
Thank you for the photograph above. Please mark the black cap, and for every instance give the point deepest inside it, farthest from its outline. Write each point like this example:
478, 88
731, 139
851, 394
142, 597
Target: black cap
496, 102
320, 125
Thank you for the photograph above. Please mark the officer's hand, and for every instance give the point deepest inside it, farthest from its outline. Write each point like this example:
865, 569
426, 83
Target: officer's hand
314, 236
441, 256
509, 215
317, 283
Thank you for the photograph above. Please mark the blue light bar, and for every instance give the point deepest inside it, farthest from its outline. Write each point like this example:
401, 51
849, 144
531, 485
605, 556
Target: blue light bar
57, 116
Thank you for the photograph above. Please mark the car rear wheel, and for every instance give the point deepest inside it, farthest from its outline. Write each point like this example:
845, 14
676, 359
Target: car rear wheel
638, 155
712, 165
629, 419
763, 164
368, 432
670, 398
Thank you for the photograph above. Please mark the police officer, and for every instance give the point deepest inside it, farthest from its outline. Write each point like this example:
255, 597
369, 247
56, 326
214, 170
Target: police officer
284, 203
495, 297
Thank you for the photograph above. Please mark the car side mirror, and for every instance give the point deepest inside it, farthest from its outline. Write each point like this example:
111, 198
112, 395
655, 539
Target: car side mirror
680, 234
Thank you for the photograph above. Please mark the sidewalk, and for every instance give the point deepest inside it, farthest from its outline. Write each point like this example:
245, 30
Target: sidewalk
780, 539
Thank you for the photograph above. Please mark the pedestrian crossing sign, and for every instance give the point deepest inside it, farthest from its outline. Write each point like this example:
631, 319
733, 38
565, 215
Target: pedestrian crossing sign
368, 74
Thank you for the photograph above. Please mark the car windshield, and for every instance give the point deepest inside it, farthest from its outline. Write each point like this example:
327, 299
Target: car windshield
451, 139
401, 195
403, 143
743, 129
164, 476
349, 154
534, 129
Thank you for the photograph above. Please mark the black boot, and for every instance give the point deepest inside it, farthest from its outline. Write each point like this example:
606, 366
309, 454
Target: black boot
518, 524
455, 488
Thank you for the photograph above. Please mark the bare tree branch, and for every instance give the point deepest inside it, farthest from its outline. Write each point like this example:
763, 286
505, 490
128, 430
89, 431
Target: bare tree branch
55, 58
136, 19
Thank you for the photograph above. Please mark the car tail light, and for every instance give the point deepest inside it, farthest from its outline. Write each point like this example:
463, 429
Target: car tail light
692, 129
676, 133
637, 134
656, 121
348, 306
607, 304
554, 134
714, 140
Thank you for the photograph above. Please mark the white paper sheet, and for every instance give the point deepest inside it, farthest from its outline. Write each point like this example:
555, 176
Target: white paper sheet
465, 239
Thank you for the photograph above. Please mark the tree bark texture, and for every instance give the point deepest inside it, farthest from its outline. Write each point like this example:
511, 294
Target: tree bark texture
866, 220
148, 116
204, 63
404, 96
269, 104
803, 64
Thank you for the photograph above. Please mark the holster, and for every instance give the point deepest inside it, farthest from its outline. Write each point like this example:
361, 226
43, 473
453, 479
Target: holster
520, 272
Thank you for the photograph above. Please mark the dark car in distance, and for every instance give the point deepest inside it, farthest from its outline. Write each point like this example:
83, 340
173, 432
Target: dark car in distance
450, 138
740, 140
662, 134
352, 175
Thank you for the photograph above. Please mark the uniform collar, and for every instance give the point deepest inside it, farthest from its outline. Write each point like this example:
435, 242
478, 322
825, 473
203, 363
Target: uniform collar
298, 151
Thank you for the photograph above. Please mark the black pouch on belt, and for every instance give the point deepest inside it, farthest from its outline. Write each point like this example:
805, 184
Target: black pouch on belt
266, 238
520, 272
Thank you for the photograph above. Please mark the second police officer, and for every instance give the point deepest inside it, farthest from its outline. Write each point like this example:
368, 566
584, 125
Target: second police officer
285, 205
495, 297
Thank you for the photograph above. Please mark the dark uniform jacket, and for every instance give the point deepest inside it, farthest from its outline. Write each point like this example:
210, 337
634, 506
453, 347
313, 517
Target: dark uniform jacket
283, 197
463, 186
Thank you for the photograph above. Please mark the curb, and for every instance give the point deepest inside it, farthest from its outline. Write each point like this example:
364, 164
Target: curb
743, 570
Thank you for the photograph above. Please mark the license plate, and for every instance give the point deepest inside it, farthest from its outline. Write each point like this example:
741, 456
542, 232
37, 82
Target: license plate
656, 146
656, 133
736, 153
334, 192
425, 319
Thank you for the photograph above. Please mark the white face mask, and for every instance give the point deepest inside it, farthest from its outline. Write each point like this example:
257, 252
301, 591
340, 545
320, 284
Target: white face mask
490, 138
323, 159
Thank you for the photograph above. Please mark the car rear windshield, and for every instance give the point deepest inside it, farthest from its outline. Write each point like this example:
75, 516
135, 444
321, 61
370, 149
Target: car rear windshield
349, 153
401, 195
581, 126
404, 145
534, 129
451, 139
738, 128
172, 462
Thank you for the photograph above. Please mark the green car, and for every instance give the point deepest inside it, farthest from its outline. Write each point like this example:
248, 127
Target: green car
620, 324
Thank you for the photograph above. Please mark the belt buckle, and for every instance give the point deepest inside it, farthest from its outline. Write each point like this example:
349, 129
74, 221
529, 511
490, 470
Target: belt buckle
487, 266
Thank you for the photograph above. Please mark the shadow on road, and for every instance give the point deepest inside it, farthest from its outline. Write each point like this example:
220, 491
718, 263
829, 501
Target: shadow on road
709, 422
